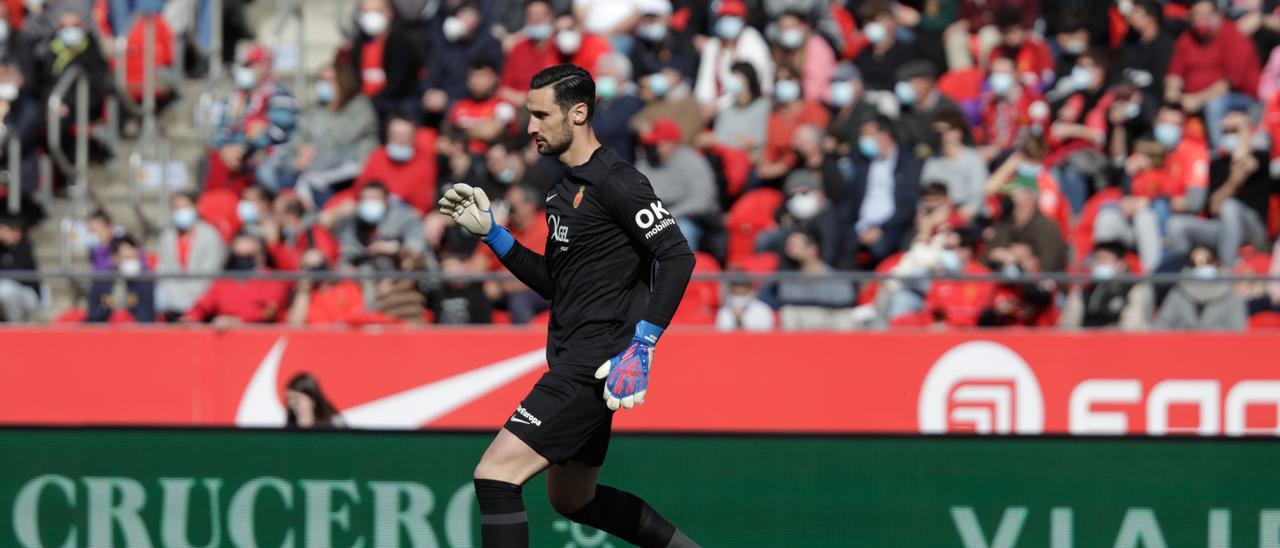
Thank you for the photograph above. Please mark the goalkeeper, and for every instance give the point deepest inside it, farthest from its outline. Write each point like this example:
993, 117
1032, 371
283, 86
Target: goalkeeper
614, 269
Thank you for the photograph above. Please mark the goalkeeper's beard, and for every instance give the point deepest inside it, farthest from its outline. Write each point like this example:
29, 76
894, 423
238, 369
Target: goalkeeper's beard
549, 146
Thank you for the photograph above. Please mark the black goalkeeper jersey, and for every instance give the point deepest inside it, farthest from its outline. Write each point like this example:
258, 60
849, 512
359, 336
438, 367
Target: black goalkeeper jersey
614, 256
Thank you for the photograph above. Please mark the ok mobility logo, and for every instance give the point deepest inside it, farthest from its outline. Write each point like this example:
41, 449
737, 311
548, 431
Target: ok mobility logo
260, 405
985, 388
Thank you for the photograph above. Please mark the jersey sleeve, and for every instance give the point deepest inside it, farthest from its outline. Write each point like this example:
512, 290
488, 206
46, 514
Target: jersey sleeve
630, 201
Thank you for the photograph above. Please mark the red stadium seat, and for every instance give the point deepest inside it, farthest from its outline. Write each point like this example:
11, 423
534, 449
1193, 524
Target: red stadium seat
750, 215
1265, 320
870, 289
701, 298
218, 208
73, 315
735, 163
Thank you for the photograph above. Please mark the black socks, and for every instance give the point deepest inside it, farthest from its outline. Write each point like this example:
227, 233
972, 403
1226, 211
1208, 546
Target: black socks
503, 520
627, 517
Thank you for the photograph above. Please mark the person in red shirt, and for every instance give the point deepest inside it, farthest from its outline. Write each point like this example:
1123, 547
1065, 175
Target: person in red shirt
230, 302
790, 111
324, 302
288, 234
1010, 111
576, 46
406, 165
482, 116
529, 55
1214, 68
1034, 64
957, 303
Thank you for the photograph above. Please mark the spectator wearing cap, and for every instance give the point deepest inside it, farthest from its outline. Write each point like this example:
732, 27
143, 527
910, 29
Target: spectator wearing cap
667, 95
886, 187
957, 164
1034, 65
323, 301
658, 45
390, 59
681, 177
921, 102
790, 110
1103, 301
127, 294
617, 104
816, 300
1025, 224
1009, 111
1027, 166
481, 115
333, 139
1239, 198
1214, 68
530, 54
797, 45
406, 166
258, 116
232, 301
21, 114
1145, 54
880, 61
188, 246
849, 107
808, 207
733, 42
1199, 301
19, 300
462, 39
743, 123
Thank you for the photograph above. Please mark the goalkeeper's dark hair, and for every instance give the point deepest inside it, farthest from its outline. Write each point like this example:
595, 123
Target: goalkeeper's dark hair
571, 84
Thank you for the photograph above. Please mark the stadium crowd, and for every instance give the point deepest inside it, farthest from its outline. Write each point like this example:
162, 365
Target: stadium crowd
914, 138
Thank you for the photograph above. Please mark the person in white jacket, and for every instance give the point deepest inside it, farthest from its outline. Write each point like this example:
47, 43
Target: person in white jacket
733, 42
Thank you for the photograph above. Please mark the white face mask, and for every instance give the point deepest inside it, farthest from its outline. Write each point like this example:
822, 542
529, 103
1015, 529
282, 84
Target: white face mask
875, 33
130, 267
4, 30
568, 41
454, 29
949, 260
843, 94
791, 39
804, 206
71, 36
8, 92
244, 77
374, 23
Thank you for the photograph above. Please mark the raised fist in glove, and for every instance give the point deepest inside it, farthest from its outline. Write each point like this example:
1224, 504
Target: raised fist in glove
628, 372
470, 207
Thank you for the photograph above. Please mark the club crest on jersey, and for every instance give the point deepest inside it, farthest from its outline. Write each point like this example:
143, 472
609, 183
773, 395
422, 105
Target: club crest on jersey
577, 199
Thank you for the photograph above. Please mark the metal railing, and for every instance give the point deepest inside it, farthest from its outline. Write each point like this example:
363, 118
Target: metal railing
287, 10
14, 173
77, 170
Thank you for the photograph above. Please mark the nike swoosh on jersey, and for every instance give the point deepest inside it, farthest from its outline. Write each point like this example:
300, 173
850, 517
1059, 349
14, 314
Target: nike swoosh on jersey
521, 421
552, 197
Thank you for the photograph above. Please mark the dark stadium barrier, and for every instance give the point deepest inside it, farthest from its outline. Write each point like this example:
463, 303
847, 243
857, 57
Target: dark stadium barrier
966, 381
251, 488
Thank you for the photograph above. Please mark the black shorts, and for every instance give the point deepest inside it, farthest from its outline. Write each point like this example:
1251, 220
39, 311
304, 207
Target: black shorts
564, 417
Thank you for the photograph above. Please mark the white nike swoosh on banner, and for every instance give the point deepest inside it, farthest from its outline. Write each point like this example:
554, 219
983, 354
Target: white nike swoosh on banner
260, 405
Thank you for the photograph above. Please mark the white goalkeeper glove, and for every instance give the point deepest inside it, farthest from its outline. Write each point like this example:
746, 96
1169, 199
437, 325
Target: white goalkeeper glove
470, 207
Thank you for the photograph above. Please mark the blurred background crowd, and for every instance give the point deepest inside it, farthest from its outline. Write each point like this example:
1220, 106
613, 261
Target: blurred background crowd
961, 148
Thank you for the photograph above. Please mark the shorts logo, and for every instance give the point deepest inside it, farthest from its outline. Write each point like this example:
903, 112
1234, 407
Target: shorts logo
981, 387
577, 199
655, 213
528, 417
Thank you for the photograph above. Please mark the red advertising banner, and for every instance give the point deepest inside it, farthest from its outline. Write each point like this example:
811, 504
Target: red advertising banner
984, 382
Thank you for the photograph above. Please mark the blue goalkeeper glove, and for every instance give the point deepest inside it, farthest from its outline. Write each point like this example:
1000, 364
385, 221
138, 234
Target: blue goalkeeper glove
628, 372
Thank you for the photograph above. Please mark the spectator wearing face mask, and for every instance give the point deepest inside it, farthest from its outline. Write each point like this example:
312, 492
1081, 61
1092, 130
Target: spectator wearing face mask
1021, 303
406, 166
1132, 221
1104, 302
790, 111
957, 164
20, 112
576, 45
381, 226
667, 95
189, 246
1239, 197
324, 302
886, 187
333, 138
743, 310
461, 40
291, 233
797, 45
74, 46
1174, 176
1009, 111
102, 231
743, 123
880, 61
1200, 302
1026, 167
850, 108
19, 300
956, 303
127, 294
481, 115
618, 102
807, 207
230, 302
1070, 40
920, 101
681, 177
530, 53
1214, 69
1032, 58
259, 115
391, 60
657, 44
732, 42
